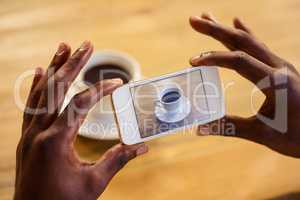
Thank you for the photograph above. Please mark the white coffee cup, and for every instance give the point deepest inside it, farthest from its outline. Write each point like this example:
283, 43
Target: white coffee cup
100, 122
170, 99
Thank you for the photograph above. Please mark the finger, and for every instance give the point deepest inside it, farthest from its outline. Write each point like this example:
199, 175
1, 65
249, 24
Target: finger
38, 74
240, 25
212, 29
58, 60
246, 128
60, 57
227, 126
32, 98
65, 75
254, 130
235, 39
250, 129
242, 63
114, 160
74, 114
58, 85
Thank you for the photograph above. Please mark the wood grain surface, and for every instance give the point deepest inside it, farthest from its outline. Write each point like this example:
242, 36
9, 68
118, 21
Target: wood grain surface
158, 35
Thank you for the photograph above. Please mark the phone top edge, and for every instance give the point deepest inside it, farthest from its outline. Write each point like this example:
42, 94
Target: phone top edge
168, 75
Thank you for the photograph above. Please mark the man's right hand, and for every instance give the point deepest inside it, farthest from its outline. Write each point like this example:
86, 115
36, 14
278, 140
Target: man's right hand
254, 61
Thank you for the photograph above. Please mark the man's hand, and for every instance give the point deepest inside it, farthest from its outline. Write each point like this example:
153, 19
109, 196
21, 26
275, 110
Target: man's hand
47, 165
254, 61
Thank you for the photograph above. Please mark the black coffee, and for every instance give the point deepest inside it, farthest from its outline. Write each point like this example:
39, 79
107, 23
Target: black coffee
105, 71
170, 97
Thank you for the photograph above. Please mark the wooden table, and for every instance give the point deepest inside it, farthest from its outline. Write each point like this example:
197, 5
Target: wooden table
158, 35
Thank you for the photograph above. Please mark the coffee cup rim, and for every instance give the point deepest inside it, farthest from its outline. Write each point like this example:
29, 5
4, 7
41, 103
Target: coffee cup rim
121, 59
163, 92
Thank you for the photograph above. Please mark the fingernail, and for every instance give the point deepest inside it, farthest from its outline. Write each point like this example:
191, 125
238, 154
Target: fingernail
142, 150
211, 16
204, 54
117, 81
61, 49
194, 60
39, 70
85, 45
237, 19
205, 14
203, 131
195, 18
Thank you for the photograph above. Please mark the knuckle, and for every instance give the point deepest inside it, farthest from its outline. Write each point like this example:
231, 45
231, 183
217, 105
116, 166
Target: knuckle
239, 39
45, 144
288, 65
60, 84
68, 68
20, 148
37, 91
83, 100
79, 101
26, 115
240, 57
211, 29
23, 149
29, 134
58, 78
281, 77
122, 159
243, 36
55, 130
95, 179
73, 62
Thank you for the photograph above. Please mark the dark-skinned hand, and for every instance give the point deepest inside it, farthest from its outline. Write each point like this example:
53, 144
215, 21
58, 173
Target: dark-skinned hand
254, 61
47, 165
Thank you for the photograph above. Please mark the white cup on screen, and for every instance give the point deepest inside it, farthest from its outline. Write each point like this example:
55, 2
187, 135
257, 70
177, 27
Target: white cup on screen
170, 99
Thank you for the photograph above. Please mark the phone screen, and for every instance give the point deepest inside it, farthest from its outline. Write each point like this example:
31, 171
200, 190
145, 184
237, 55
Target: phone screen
170, 103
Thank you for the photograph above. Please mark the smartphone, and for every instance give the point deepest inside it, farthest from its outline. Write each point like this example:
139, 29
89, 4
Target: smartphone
163, 105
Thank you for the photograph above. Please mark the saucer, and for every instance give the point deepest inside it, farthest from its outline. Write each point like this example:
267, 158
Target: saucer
174, 116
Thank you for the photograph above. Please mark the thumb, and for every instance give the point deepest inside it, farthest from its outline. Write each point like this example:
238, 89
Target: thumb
114, 160
234, 126
251, 129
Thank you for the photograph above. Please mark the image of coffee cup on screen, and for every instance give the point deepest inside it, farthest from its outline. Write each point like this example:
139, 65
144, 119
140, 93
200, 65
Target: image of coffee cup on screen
170, 103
